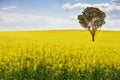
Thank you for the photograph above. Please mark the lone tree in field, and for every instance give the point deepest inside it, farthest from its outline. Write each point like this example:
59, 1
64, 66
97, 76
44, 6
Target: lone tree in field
92, 19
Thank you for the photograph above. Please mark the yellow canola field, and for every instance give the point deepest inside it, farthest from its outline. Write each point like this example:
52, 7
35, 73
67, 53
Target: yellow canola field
58, 51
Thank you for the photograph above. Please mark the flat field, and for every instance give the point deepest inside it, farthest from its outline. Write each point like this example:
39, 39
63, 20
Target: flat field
59, 55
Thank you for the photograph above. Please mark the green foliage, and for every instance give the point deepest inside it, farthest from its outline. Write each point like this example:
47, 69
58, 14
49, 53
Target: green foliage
91, 19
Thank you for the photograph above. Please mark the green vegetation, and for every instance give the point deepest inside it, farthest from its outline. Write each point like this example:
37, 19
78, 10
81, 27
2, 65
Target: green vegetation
92, 19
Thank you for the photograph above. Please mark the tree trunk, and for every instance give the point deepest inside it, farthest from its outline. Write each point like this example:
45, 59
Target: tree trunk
93, 39
92, 33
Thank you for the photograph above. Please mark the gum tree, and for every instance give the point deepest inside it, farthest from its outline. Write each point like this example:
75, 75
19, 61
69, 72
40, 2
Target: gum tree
92, 19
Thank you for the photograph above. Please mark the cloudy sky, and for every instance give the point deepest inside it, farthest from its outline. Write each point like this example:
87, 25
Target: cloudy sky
53, 14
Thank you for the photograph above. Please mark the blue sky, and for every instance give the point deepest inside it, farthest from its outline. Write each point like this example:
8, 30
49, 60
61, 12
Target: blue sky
53, 14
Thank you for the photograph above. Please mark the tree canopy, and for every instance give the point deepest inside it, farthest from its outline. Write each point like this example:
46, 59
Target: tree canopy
91, 19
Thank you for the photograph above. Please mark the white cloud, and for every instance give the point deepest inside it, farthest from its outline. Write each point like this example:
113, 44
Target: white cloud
116, 1
10, 21
103, 6
112, 12
8, 8
112, 24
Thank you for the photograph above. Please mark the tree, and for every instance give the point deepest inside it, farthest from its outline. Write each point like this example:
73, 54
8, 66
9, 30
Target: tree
92, 19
